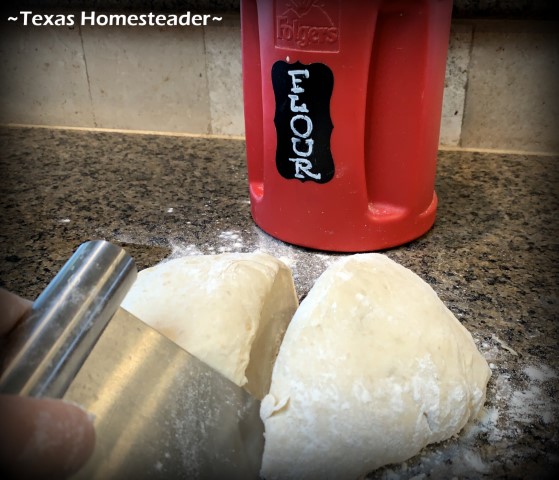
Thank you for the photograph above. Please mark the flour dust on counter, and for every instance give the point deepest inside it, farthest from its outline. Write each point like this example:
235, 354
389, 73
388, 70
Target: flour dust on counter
488, 447
517, 428
306, 266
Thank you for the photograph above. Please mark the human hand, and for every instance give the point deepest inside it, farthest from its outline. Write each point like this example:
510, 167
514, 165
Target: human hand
39, 437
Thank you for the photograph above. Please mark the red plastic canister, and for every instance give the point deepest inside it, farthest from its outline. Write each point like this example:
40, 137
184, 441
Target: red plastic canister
342, 113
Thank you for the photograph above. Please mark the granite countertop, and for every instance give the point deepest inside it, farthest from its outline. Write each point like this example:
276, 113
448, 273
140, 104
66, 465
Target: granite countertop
492, 257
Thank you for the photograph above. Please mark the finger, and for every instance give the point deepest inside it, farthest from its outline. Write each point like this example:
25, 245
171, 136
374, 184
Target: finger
12, 309
43, 438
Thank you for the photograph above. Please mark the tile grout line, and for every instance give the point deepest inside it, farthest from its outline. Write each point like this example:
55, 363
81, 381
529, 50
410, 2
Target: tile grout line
125, 131
210, 125
87, 77
499, 151
467, 85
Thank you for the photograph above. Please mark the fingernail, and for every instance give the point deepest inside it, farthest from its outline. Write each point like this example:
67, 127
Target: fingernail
90, 415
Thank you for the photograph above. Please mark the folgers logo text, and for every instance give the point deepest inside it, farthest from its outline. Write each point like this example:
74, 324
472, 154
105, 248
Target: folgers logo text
307, 25
303, 122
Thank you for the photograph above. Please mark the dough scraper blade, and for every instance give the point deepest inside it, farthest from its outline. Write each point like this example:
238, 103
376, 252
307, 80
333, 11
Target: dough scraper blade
159, 411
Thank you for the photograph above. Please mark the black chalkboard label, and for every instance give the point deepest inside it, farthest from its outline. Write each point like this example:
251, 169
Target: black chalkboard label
303, 122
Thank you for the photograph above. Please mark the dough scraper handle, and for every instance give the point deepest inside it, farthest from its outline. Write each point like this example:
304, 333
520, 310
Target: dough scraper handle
159, 412
45, 351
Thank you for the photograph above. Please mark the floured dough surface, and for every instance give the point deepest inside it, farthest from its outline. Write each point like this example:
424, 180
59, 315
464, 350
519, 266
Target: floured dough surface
228, 310
372, 368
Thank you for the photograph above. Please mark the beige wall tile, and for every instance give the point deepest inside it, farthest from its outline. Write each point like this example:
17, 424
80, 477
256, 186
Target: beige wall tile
455, 83
223, 56
43, 77
148, 78
512, 100
501, 92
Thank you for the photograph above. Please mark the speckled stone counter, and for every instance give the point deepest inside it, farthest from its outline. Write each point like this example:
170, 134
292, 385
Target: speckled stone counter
492, 257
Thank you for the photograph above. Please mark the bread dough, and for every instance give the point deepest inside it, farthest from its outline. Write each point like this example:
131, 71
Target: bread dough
228, 310
372, 368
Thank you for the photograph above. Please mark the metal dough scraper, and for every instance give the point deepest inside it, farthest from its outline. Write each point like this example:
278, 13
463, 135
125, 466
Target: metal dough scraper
159, 411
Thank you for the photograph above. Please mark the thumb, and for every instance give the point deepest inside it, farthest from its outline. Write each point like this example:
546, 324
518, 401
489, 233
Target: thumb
12, 310
43, 438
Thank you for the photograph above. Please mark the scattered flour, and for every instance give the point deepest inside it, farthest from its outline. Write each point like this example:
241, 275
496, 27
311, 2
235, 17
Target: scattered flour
520, 396
539, 374
492, 441
179, 250
306, 268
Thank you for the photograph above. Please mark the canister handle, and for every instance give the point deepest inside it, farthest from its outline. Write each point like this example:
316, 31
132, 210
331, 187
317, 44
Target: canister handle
46, 350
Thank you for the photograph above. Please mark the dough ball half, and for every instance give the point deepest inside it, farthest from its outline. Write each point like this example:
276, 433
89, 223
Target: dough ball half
372, 368
228, 310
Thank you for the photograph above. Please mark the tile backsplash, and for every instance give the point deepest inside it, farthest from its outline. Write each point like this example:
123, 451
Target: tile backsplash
501, 91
